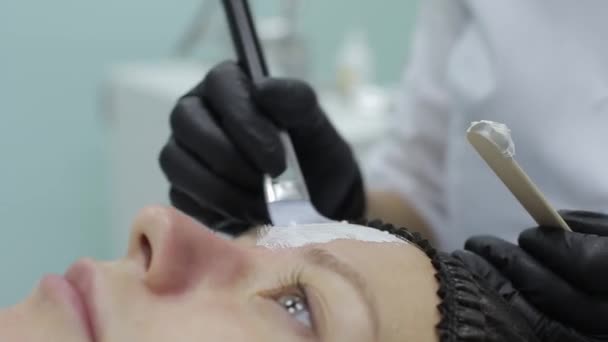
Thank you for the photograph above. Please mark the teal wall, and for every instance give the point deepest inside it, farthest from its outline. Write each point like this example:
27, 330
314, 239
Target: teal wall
388, 24
53, 55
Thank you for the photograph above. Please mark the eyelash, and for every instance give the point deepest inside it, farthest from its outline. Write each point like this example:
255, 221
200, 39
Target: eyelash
293, 280
294, 283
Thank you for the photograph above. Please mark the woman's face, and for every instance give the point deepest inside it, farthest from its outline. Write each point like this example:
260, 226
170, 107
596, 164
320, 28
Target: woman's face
179, 282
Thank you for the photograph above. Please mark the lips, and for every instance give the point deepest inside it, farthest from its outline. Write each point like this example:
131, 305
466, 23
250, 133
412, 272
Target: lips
81, 277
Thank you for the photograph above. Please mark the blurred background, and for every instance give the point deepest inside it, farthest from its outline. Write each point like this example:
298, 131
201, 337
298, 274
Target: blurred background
86, 89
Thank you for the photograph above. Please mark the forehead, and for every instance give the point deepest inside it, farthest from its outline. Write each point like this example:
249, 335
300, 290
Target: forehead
402, 280
301, 235
398, 273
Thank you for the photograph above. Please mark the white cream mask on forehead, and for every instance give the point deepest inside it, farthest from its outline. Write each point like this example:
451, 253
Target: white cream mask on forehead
298, 236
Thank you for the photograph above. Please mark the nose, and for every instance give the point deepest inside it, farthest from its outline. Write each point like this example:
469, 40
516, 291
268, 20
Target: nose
178, 252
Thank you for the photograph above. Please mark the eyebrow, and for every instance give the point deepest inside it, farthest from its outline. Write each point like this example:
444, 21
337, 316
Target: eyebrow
324, 259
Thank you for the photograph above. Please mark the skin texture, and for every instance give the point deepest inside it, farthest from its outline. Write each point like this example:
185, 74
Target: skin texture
180, 282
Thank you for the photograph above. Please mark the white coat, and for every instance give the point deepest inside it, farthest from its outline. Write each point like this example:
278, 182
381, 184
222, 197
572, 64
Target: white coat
541, 67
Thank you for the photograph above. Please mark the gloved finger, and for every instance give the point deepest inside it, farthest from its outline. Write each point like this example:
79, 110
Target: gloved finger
207, 216
227, 91
189, 207
488, 275
586, 222
293, 105
582, 259
195, 129
206, 188
541, 287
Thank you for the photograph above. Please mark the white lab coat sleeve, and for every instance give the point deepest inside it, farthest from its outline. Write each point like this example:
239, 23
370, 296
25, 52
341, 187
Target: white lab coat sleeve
411, 161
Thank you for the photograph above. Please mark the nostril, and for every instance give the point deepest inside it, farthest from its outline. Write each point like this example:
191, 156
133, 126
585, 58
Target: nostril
146, 249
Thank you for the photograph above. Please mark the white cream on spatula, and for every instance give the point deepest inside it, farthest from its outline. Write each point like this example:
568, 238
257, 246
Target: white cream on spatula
494, 144
299, 236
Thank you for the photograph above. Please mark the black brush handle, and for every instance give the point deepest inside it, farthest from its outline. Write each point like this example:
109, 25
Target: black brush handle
290, 185
245, 38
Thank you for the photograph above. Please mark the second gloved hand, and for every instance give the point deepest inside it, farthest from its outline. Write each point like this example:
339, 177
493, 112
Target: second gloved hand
559, 278
225, 137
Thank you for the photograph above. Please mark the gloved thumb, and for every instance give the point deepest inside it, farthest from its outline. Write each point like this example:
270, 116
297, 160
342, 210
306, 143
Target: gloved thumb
291, 103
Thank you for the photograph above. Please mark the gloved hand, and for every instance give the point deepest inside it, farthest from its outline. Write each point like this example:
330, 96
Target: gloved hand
225, 137
558, 280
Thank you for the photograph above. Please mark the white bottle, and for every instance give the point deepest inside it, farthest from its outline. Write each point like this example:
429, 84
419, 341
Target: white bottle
354, 64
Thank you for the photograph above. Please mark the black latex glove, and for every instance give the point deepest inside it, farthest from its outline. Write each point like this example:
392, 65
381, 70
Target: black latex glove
225, 137
561, 278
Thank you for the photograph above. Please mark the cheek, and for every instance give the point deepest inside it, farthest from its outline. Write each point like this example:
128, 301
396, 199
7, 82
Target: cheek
180, 319
133, 313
